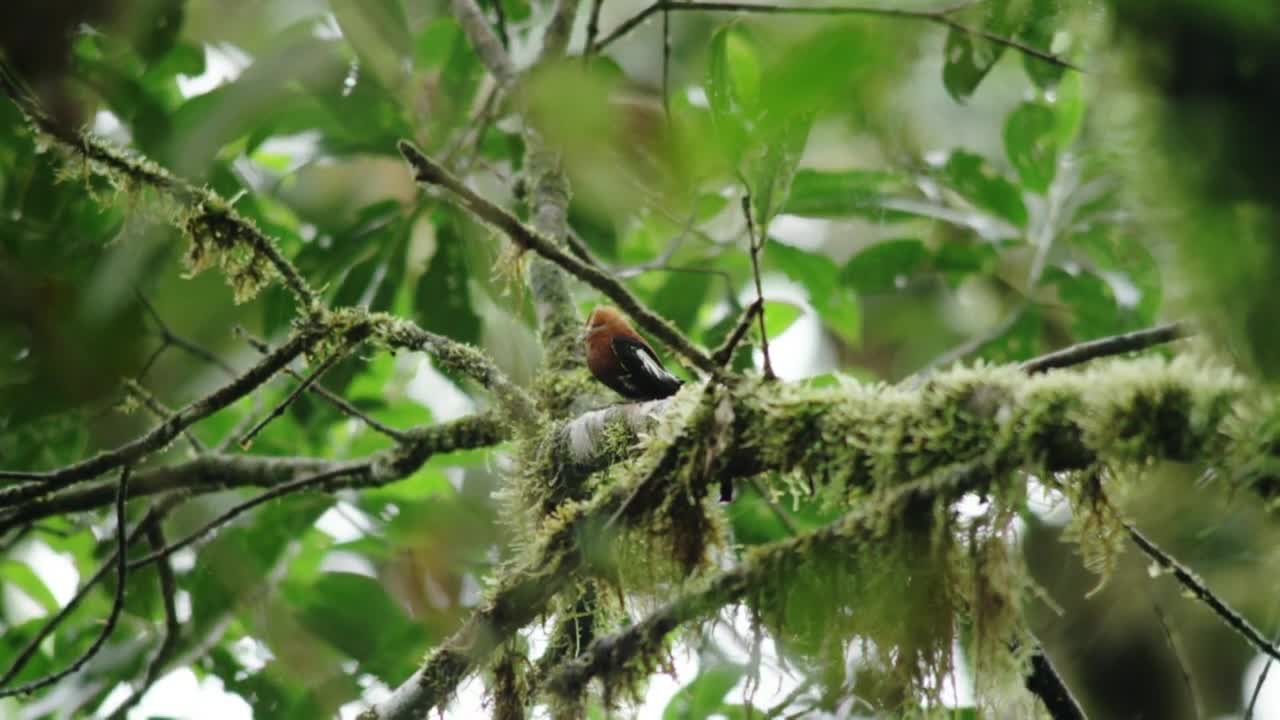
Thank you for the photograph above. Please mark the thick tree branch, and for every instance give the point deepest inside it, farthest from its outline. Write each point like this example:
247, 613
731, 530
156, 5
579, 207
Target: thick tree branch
1045, 683
614, 652
429, 172
862, 437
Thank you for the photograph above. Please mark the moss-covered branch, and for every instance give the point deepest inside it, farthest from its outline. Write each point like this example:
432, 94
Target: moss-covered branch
854, 438
615, 655
217, 232
218, 472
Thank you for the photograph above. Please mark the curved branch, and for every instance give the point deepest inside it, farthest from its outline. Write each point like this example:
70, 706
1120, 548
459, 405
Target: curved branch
942, 17
429, 172
117, 605
148, 173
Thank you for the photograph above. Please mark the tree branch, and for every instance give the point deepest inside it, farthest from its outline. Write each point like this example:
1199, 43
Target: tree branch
428, 172
614, 652
1198, 589
998, 417
1107, 347
43, 483
172, 628
942, 17
216, 472
117, 605
207, 204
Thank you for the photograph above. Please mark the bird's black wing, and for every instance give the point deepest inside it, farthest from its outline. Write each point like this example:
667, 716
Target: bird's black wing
642, 373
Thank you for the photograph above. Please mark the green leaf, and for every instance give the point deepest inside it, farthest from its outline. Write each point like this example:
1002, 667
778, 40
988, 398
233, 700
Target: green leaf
1030, 134
21, 576
981, 184
770, 175
778, 316
880, 267
836, 303
964, 66
845, 193
733, 88
442, 301
1038, 32
680, 297
378, 30
705, 695
354, 614
1068, 107
1093, 305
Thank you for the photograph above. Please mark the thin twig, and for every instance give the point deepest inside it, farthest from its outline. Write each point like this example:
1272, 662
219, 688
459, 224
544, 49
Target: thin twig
1180, 658
161, 412
723, 354
1107, 347
333, 398
593, 29
1257, 689
161, 435
33, 645
247, 439
755, 247
237, 510
500, 14
169, 337
666, 66
429, 172
117, 604
172, 628
941, 17
1193, 584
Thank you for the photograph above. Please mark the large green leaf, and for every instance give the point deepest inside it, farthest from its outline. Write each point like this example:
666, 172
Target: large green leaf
981, 184
886, 265
354, 614
1030, 142
844, 193
442, 301
836, 303
704, 697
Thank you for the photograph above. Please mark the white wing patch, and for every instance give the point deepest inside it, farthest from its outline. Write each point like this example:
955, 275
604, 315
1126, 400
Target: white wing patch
651, 365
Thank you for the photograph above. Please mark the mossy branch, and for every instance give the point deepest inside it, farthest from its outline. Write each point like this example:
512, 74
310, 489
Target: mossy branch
217, 472
211, 221
615, 654
861, 436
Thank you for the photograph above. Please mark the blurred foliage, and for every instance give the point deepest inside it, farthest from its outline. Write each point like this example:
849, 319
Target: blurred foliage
922, 188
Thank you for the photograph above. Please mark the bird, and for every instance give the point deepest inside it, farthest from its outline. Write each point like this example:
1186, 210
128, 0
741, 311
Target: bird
618, 357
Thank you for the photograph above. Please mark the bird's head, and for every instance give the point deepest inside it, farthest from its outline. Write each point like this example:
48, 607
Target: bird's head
602, 319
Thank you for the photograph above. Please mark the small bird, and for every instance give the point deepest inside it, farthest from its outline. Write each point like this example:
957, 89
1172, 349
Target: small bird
623, 361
